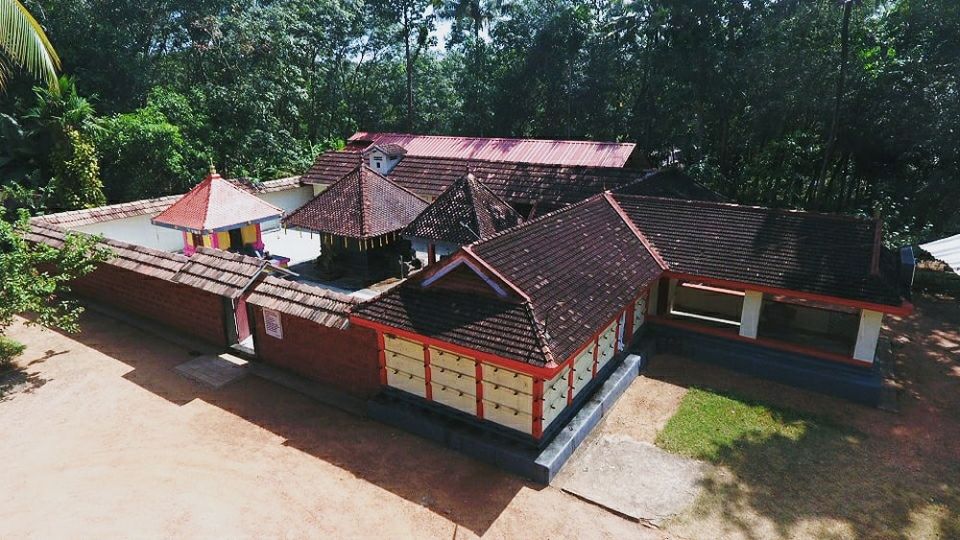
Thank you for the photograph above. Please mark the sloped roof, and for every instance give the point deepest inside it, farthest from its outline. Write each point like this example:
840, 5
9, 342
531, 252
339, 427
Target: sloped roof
590, 153
822, 254
362, 204
570, 272
465, 210
220, 272
322, 306
216, 204
947, 250
670, 183
140, 259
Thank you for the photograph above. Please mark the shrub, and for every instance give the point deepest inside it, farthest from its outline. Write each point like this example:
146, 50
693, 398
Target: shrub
9, 349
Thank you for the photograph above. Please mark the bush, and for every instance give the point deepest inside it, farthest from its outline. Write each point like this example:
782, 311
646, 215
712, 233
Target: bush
9, 349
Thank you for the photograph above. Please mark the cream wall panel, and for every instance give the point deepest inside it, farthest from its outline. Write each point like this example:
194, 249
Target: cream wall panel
452, 361
555, 397
405, 364
507, 417
406, 382
452, 397
459, 381
505, 377
406, 347
508, 396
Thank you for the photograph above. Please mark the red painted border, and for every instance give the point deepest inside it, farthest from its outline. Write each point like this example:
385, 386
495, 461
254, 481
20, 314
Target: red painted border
766, 342
515, 365
479, 375
382, 358
426, 373
904, 308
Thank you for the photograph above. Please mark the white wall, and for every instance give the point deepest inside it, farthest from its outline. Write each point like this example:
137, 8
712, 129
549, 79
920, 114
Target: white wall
138, 229
288, 199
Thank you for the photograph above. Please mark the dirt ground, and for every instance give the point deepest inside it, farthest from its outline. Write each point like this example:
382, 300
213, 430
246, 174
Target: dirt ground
101, 437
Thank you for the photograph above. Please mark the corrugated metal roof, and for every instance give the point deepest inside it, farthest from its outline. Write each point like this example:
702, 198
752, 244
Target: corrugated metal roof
589, 153
947, 250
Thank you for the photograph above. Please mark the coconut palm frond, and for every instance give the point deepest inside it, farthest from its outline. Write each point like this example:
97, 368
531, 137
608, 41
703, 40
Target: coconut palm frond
24, 43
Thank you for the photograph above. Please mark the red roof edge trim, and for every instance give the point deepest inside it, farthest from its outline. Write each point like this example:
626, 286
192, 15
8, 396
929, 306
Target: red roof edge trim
905, 308
547, 371
640, 236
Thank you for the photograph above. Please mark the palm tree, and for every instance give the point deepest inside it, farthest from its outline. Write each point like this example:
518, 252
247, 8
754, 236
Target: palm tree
23, 44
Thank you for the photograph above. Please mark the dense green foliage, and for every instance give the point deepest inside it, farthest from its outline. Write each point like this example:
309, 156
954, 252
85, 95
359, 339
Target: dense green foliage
35, 277
746, 94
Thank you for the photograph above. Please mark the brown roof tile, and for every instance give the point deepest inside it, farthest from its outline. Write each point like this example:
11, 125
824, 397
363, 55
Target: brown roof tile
362, 204
463, 213
799, 251
316, 304
220, 272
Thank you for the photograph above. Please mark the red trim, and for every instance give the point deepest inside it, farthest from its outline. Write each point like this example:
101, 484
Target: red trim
515, 365
903, 309
382, 358
766, 342
426, 372
632, 226
570, 375
431, 253
537, 408
479, 375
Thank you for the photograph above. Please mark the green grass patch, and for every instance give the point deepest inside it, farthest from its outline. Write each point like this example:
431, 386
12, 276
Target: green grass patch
711, 426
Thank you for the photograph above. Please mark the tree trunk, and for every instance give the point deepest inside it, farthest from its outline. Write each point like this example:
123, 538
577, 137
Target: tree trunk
406, 48
837, 104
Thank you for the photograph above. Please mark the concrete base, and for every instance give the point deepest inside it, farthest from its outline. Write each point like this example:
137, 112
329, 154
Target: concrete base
215, 371
860, 384
539, 465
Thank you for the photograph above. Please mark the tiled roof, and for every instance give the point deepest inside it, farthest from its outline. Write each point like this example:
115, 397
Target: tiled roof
88, 216
362, 204
332, 166
322, 306
589, 153
799, 251
501, 327
670, 183
390, 150
140, 259
465, 210
220, 272
577, 268
216, 204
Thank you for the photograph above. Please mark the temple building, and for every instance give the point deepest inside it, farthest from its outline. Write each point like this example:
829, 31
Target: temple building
359, 219
466, 212
218, 214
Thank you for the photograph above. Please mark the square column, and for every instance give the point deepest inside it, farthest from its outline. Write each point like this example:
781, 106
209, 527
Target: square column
750, 316
868, 335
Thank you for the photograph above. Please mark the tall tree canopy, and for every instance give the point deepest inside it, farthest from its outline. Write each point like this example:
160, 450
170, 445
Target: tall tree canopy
834, 106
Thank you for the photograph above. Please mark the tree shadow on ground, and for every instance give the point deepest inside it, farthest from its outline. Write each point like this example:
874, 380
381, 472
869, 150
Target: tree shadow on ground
17, 380
469, 493
852, 471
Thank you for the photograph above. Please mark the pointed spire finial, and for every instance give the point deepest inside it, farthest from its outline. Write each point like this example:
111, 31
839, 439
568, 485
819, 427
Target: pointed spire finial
212, 170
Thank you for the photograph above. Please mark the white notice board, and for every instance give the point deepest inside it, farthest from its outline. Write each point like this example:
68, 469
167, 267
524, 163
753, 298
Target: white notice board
272, 324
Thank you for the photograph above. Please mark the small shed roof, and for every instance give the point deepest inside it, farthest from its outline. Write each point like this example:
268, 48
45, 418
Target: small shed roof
556, 152
220, 272
214, 205
362, 204
946, 250
464, 213
322, 306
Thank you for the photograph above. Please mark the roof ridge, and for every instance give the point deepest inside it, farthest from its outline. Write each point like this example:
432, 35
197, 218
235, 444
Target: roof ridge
391, 182
568, 141
636, 231
486, 189
534, 220
753, 208
540, 334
